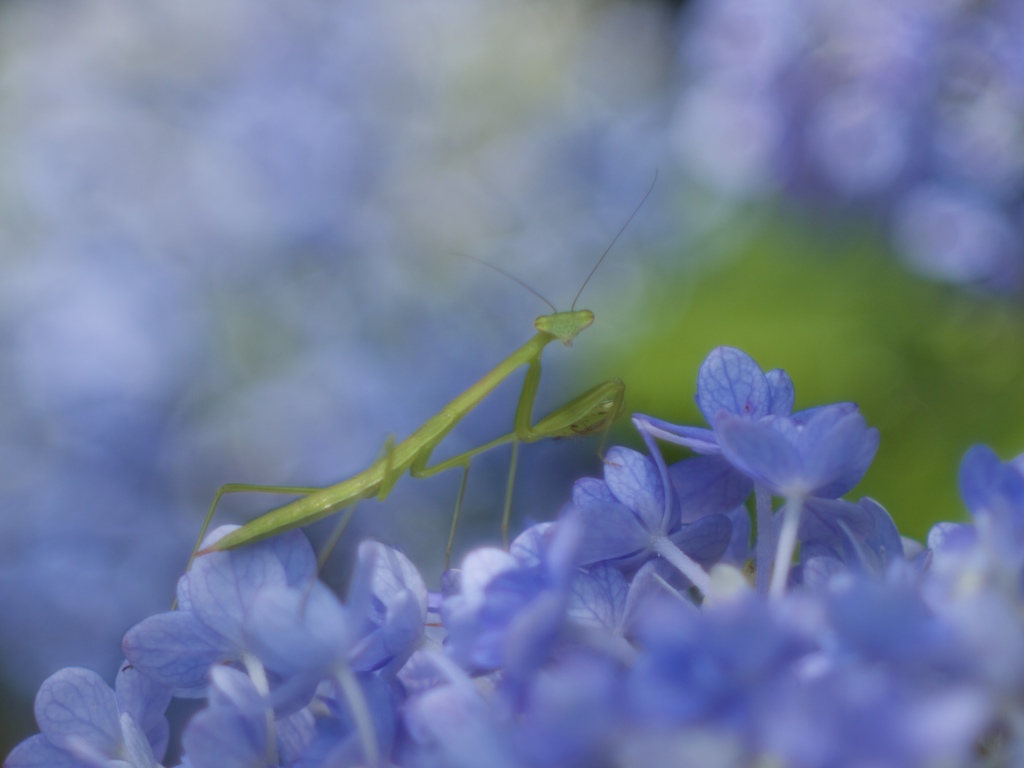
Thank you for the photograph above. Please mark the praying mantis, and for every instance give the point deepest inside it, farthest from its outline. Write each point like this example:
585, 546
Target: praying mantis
593, 411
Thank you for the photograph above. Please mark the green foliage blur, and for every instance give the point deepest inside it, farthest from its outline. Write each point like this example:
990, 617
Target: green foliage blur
934, 368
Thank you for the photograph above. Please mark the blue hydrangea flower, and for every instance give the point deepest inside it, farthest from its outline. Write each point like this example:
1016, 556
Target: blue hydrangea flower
818, 453
994, 493
838, 536
507, 613
630, 517
237, 728
581, 646
729, 380
903, 110
83, 723
722, 666
216, 598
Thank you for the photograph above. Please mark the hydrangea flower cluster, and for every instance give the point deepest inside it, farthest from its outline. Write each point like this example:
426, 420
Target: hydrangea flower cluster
657, 621
908, 108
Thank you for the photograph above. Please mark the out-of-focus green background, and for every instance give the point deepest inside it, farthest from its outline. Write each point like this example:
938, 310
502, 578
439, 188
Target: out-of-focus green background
227, 238
934, 368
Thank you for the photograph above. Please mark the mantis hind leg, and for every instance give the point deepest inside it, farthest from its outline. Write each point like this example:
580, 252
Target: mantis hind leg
420, 469
289, 490
455, 517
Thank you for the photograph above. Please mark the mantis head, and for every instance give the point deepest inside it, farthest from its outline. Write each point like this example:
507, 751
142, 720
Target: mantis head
565, 326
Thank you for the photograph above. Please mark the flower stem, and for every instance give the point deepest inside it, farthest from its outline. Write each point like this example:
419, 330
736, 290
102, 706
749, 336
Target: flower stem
765, 546
787, 545
683, 562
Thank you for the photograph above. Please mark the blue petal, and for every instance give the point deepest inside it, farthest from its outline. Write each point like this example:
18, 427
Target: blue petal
336, 743
697, 439
783, 394
293, 550
146, 701
978, 472
884, 539
819, 523
176, 649
479, 568
837, 447
760, 450
387, 575
729, 380
37, 752
453, 724
648, 585
992, 488
389, 595
222, 585
818, 568
598, 598
708, 485
952, 538
527, 547
705, 540
739, 548
531, 635
75, 704
294, 734
137, 747
588, 490
860, 536
295, 630
633, 480
609, 532
224, 735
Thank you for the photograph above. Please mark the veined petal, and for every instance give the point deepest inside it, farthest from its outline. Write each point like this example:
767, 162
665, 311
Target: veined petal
146, 701
759, 450
587, 490
708, 485
597, 598
528, 547
837, 449
609, 532
76, 705
729, 380
783, 393
176, 649
37, 752
706, 539
633, 480
296, 630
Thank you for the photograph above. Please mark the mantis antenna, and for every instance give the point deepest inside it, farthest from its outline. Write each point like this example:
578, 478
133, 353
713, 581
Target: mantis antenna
615, 239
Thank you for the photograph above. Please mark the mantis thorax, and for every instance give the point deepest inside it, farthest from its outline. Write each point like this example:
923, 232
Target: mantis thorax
565, 326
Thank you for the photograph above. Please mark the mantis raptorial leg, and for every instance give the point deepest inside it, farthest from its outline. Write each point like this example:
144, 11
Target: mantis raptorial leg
593, 411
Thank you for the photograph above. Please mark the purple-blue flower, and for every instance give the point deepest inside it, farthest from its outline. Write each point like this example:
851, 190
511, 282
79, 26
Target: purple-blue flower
82, 722
729, 380
838, 536
819, 453
905, 111
508, 611
584, 644
630, 517
216, 598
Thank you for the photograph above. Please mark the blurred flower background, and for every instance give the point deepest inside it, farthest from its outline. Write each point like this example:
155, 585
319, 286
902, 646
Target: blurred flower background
231, 235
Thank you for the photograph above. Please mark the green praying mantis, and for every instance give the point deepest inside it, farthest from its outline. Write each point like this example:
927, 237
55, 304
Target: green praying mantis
593, 411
